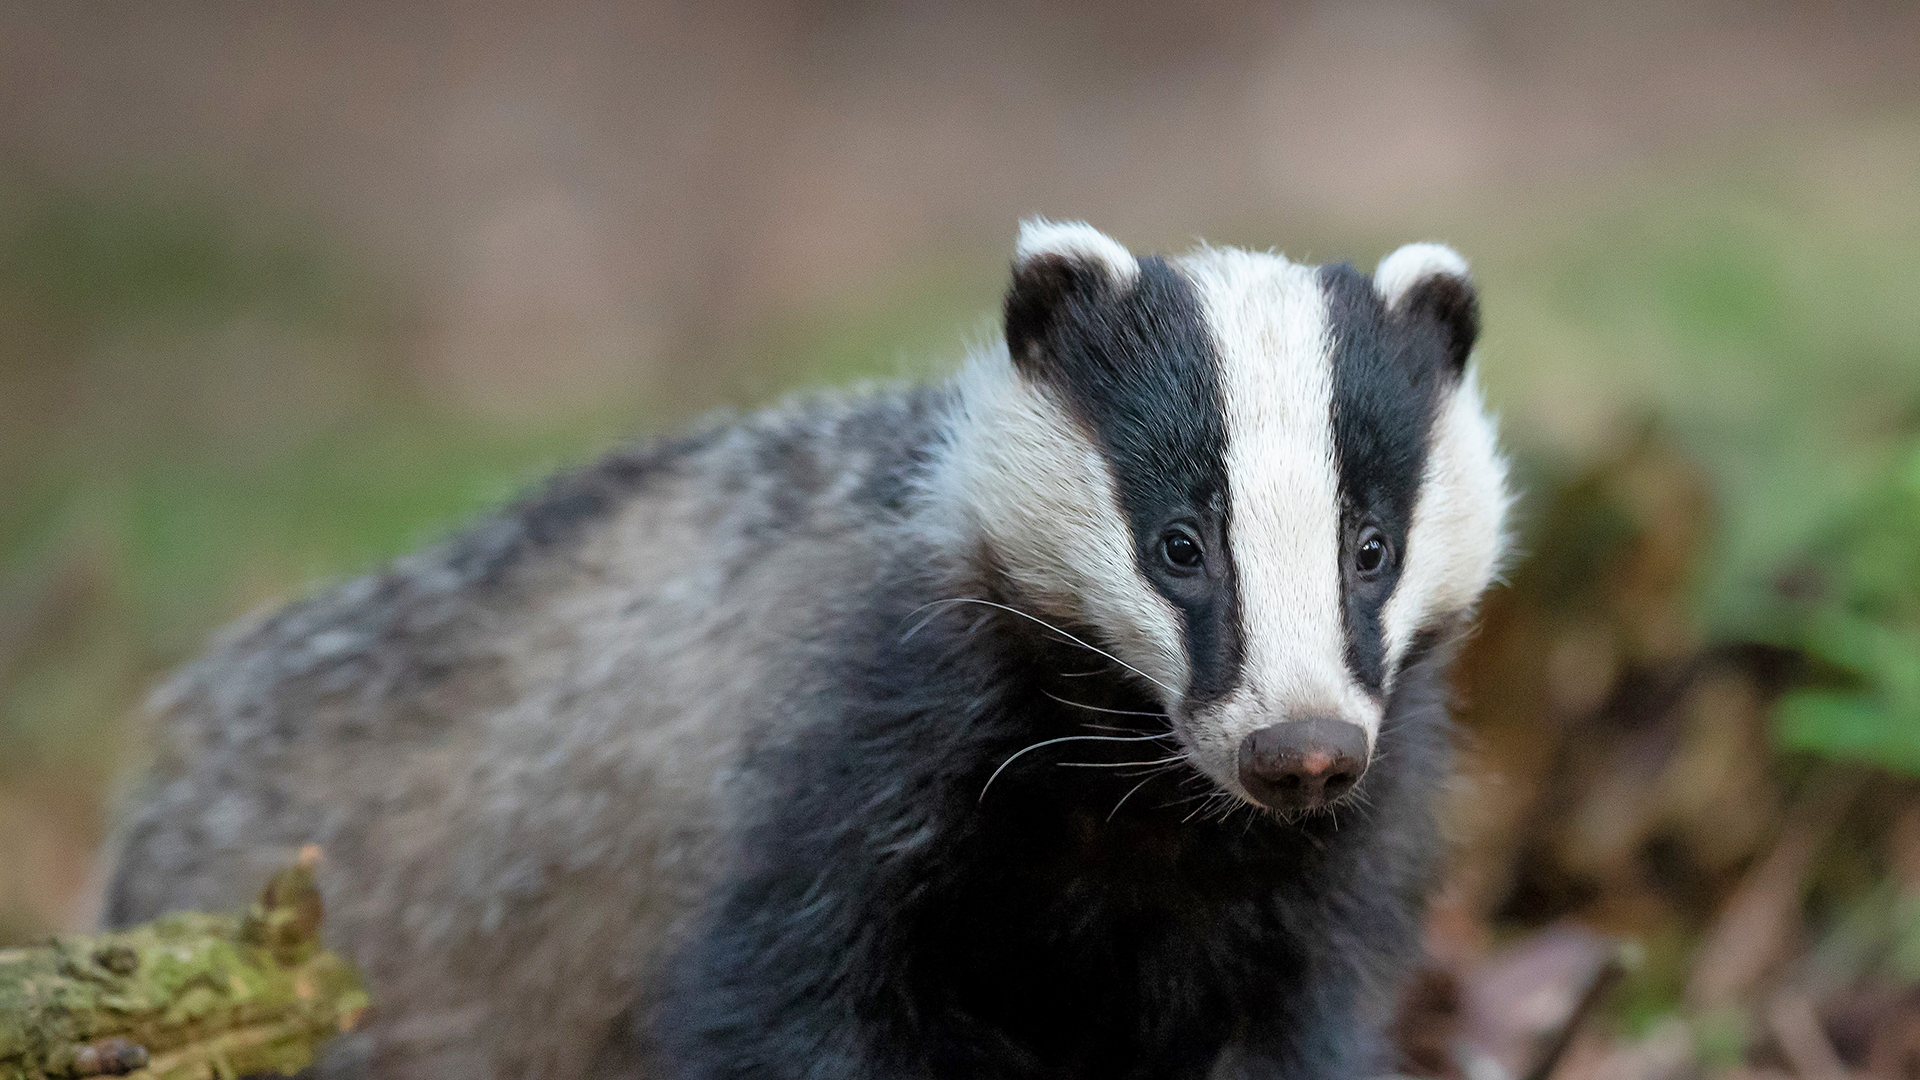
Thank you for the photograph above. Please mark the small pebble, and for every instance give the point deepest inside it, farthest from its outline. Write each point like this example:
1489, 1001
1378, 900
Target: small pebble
114, 1056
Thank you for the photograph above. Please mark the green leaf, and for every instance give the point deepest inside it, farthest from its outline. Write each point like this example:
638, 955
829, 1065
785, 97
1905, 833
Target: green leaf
1850, 726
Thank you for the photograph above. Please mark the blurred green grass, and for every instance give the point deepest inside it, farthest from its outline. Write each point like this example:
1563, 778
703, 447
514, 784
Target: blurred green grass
206, 407
1760, 304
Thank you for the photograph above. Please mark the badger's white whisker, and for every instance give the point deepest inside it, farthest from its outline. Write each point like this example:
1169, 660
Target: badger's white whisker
918, 626
1210, 802
1049, 742
1252, 818
1176, 759
1130, 791
1055, 629
1104, 709
1359, 799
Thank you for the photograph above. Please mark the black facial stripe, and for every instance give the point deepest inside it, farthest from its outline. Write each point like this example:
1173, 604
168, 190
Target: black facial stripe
1138, 368
1387, 381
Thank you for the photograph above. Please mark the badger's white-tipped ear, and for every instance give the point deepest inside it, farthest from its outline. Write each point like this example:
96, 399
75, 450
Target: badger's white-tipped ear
1399, 272
1428, 285
1073, 241
1057, 264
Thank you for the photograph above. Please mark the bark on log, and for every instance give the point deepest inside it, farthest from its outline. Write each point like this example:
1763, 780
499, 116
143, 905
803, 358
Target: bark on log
188, 996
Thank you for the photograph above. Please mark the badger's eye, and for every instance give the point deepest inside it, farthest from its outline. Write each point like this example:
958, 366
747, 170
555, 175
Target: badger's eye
1371, 553
1181, 551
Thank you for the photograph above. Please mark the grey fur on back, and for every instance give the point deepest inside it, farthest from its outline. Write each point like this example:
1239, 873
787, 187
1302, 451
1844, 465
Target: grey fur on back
515, 748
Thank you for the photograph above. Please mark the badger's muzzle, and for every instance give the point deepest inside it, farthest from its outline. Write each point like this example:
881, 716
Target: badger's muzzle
1303, 764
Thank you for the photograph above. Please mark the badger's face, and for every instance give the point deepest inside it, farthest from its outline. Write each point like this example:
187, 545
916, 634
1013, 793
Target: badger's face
1262, 483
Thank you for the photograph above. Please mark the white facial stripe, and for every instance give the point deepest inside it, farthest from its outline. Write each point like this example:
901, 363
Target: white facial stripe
1270, 321
1043, 496
1454, 546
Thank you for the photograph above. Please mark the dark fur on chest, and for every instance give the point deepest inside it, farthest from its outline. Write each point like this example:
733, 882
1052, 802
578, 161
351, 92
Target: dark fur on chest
885, 919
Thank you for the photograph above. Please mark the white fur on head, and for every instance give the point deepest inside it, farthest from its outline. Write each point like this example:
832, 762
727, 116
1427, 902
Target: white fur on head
1074, 240
1411, 264
1269, 320
1458, 535
1043, 498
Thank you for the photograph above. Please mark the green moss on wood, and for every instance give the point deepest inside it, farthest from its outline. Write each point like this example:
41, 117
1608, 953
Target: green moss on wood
188, 996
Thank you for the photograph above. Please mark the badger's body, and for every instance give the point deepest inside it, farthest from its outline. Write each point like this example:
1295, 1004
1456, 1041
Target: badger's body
742, 755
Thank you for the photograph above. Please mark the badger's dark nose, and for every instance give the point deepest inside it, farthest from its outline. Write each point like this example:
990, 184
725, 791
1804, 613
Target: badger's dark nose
1303, 764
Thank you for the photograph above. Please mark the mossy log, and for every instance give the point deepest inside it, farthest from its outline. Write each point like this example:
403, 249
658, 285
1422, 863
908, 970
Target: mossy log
188, 996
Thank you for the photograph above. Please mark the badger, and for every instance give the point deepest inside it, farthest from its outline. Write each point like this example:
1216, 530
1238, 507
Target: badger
1080, 715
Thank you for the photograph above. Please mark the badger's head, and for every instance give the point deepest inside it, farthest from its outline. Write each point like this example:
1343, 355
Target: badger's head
1263, 485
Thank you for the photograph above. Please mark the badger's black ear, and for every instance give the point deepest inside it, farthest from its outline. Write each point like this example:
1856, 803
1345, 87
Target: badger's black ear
1427, 286
1055, 263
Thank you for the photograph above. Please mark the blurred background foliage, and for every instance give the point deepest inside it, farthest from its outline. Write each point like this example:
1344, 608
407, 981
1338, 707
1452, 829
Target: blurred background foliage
1853, 607
286, 293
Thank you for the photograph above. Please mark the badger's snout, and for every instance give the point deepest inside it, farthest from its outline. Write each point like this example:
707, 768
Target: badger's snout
1303, 764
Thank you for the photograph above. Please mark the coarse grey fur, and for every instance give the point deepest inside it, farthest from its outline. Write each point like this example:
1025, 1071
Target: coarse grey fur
509, 720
